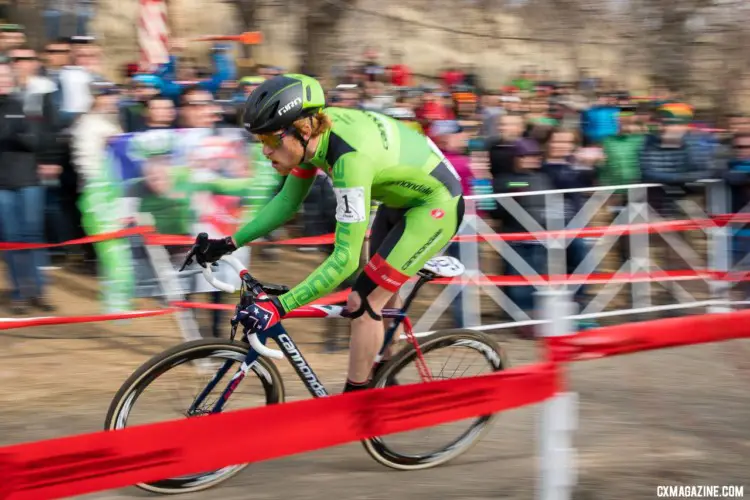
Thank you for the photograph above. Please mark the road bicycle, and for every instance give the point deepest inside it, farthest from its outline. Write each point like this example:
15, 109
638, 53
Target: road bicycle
254, 357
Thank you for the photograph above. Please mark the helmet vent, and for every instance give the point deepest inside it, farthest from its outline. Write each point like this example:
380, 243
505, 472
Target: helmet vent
308, 93
274, 109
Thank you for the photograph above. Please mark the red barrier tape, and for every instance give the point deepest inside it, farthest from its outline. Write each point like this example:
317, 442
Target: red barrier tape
169, 240
618, 229
587, 232
9, 324
124, 233
657, 334
86, 463
600, 278
203, 305
327, 239
341, 296
334, 298
726, 219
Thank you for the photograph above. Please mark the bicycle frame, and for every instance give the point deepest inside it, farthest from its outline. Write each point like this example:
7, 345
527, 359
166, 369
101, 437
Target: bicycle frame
294, 355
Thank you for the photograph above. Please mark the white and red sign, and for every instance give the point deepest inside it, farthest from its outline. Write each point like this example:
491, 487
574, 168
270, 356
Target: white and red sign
153, 33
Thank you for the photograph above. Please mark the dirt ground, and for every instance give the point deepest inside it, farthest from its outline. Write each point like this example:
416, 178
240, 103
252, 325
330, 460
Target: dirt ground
676, 416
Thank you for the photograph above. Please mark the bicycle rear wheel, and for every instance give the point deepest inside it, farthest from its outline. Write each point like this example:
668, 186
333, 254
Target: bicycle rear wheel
204, 357
399, 371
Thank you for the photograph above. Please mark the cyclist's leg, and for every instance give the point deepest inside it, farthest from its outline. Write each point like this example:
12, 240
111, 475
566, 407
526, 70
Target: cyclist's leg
385, 220
421, 234
367, 332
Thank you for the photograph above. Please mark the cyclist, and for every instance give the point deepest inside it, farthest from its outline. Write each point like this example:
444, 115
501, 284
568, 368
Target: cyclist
368, 156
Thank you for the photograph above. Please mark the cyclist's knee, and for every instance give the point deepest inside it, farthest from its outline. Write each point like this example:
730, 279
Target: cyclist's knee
353, 301
366, 299
364, 308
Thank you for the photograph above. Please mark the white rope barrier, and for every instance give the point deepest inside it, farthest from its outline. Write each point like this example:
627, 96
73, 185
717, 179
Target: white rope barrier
606, 314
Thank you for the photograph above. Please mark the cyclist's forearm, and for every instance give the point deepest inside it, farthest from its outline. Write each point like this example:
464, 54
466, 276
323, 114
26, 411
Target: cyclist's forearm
342, 263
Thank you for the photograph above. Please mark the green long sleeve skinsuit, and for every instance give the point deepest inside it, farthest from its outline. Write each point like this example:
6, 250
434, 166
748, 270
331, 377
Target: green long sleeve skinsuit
370, 157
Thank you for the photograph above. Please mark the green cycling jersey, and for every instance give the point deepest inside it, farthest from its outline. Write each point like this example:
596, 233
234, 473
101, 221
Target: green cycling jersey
368, 156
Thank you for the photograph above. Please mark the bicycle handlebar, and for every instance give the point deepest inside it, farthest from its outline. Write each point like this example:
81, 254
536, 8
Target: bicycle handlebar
263, 350
220, 285
255, 343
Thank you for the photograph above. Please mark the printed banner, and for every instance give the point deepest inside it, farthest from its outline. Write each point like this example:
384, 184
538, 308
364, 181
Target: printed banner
181, 182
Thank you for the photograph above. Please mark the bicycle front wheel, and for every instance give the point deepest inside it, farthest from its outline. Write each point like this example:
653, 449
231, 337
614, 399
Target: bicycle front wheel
444, 353
186, 371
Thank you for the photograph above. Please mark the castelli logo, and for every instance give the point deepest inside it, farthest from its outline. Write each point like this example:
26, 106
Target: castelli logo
437, 213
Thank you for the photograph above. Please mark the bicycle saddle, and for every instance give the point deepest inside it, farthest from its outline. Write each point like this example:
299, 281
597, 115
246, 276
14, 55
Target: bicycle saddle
445, 267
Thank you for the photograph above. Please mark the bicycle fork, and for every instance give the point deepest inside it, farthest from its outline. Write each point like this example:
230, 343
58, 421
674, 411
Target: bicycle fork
238, 376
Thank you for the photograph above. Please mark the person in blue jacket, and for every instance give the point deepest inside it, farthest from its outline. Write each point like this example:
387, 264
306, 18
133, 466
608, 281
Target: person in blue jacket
737, 177
133, 110
600, 121
224, 70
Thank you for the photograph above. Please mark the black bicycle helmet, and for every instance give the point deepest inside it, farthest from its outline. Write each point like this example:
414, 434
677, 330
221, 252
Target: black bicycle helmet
278, 102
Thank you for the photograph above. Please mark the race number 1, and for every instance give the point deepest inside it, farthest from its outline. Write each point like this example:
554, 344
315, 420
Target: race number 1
350, 204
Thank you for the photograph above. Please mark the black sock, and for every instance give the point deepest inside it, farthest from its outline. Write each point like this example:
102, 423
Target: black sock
355, 386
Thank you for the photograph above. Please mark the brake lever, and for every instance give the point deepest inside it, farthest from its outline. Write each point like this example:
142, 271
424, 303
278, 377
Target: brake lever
188, 259
250, 283
275, 289
200, 245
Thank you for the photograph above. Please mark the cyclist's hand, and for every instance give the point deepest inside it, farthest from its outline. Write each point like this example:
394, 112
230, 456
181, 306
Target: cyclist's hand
261, 315
208, 251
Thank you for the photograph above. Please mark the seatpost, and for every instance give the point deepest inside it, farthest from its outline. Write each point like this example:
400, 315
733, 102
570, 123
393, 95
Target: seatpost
422, 280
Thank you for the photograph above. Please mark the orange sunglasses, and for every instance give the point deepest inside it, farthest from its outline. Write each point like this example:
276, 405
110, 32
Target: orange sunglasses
273, 141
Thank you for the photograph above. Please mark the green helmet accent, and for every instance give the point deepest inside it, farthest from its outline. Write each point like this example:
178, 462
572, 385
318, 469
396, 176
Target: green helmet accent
252, 80
278, 102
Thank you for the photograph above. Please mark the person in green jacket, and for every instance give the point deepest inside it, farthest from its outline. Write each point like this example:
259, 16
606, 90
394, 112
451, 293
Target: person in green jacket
621, 152
621, 166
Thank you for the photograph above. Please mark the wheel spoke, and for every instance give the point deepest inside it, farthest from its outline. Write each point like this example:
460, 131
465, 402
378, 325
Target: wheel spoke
160, 384
429, 447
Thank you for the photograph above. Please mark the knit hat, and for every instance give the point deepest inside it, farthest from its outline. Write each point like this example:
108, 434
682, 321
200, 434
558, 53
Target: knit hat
251, 80
11, 28
443, 127
544, 120
527, 147
476, 144
675, 113
152, 143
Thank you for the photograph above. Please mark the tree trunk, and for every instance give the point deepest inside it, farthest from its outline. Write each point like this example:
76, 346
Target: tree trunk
248, 13
320, 34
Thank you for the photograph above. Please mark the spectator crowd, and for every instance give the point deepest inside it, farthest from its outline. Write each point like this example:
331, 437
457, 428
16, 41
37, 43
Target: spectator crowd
536, 133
